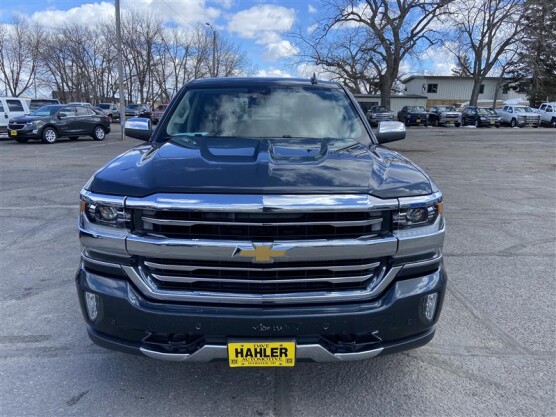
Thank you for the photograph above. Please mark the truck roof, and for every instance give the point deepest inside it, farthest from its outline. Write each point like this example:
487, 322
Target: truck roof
239, 81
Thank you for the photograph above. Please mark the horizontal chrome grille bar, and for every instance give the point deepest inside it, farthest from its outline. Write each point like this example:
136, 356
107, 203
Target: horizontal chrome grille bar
190, 268
172, 222
177, 278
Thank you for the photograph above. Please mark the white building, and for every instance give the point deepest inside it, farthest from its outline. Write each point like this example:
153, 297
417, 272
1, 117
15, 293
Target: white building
456, 91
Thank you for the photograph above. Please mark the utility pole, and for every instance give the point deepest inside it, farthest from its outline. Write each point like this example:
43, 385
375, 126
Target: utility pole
213, 49
120, 68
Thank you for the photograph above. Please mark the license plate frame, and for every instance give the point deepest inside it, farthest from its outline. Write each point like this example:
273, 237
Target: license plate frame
13, 132
261, 353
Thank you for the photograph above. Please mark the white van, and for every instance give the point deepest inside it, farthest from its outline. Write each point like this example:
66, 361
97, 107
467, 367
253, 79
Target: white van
11, 107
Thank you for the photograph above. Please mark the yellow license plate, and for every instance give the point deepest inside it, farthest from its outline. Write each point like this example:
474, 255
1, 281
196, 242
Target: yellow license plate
13, 132
418, 120
492, 122
255, 354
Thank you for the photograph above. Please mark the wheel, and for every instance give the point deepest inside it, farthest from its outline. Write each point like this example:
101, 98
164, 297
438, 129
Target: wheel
553, 122
436, 123
99, 133
110, 118
426, 124
73, 137
477, 123
457, 124
513, 123
21, 140
49, 135
406, 122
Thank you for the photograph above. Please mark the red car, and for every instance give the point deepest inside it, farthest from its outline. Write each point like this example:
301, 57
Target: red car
158, 112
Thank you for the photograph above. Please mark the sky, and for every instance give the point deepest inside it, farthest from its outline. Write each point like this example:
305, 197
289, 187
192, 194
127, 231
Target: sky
260, 27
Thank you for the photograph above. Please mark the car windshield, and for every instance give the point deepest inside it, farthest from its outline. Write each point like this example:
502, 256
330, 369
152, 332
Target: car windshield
482, 110
415, 108
161, 107
266, 112
381, 109
134, 106
523, 110
446, 108
45, 111
104, 106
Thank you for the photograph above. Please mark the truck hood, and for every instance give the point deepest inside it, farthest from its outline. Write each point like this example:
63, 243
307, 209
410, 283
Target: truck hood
261, 166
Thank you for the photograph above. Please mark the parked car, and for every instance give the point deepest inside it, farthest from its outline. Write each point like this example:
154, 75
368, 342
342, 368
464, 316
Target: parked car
55, 121
278, 231
413, 115
158, 112
80, 103
37, 103
138, 110
519, 116
110, 110
480, 117
11, 107
547, 112
378, 114
444, 116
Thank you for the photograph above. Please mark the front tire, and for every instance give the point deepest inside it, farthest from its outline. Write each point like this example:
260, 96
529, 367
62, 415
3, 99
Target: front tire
513, 123
99, 133
110, 118
477, 124
49, 136
457, 124
436, 123
406, 122
553, 122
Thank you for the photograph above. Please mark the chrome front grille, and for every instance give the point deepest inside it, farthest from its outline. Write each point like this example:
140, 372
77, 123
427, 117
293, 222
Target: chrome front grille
246, 277
16, 126
268, 227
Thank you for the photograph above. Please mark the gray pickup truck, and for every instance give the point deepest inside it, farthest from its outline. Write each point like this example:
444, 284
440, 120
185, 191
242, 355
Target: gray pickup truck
261, 223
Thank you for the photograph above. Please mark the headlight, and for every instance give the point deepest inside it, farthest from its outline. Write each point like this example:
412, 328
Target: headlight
418, 211
32, 124
105, 211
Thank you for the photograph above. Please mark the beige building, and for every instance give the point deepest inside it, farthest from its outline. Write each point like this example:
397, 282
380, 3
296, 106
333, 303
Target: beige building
455, 91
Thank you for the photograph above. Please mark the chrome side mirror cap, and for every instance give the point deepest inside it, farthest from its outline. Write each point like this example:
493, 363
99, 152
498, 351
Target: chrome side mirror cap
138, 128
390, 131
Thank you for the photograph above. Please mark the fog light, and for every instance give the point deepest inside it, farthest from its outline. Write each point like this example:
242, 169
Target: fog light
92, 302
429, 305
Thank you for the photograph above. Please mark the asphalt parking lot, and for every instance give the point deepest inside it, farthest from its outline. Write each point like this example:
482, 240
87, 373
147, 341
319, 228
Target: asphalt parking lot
493, 354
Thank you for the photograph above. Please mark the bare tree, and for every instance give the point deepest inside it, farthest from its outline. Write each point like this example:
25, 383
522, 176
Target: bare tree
393, 30
485, 30
19, 47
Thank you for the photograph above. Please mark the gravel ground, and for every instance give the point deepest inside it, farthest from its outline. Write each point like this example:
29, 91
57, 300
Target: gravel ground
493, 353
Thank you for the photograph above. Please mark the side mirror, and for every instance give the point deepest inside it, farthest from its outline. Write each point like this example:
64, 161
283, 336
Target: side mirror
390, 131
138, 128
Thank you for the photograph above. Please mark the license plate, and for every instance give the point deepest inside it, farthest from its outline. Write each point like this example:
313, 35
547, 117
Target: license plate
418, 120
13, 132
492, 122
256, 354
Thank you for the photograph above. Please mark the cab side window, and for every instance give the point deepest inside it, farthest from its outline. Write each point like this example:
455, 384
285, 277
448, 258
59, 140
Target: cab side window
82, 111
15, 105
67, 112
549, 109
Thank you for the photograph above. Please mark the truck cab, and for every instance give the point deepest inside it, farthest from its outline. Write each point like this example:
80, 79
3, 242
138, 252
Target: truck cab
547, 113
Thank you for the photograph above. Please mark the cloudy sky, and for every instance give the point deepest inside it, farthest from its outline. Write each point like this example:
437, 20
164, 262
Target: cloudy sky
261, 27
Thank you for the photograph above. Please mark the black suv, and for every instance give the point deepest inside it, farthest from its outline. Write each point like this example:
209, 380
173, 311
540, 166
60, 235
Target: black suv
413, 115
480, 117
138, 110
49, 123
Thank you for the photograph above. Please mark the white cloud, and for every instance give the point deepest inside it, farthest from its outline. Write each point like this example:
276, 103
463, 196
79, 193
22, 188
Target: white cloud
273, 72
311, 9
265, 24
312, 28
86, 14
277, 50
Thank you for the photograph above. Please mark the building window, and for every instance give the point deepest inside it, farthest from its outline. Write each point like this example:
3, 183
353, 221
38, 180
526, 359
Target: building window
482, 90
432, 88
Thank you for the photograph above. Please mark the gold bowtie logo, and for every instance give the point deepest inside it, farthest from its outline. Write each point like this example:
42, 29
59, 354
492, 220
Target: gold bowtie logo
261, 253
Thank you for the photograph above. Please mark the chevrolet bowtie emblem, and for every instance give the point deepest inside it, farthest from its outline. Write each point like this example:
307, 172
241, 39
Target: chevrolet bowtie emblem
260, 253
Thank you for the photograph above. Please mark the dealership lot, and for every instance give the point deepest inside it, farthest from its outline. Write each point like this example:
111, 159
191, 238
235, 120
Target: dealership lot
494, 349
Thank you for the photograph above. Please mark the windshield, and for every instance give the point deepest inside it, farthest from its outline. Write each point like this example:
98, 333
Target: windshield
104, 106
415, 108
134, 106
523, 110
266, 112
161, 107
446, 108
381, 109
45, 111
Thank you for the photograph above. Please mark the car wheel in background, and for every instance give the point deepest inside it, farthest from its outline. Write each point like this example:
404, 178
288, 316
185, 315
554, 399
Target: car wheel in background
21, 140
457, 124
513, 123
99, 133
477, 123
49, 135
110, 118
553, 122
73, 137
436, 123
406, 122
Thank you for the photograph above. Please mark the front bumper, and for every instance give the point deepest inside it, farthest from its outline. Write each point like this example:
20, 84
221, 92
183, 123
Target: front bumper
131, 323
25, 133
413, 119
